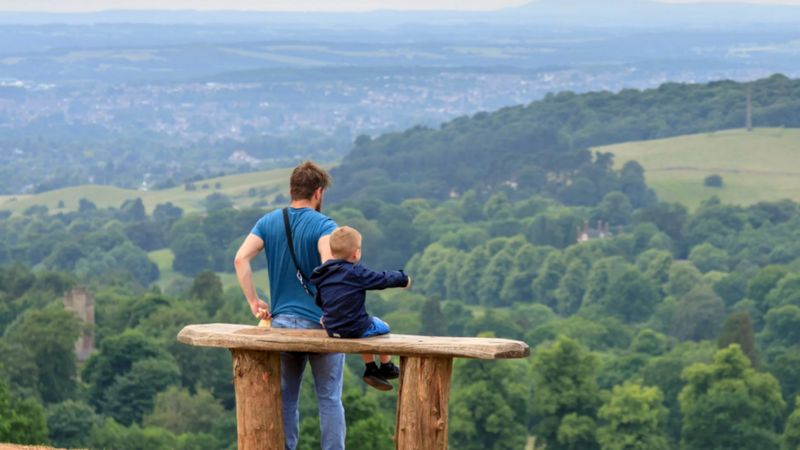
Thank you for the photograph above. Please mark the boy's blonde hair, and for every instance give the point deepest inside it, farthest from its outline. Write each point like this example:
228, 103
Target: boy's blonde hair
344, 242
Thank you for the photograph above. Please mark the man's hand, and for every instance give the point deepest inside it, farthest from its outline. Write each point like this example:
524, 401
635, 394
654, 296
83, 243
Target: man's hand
260, 309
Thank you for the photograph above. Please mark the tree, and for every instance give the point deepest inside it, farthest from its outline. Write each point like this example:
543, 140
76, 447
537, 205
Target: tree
367, 427
86, 206
738, 329
571, 288
70, 422
47, 336
634, 186
782, 326
600, 277
133, 393
21, 422
564, 383
615, 209
494, 276
791, 434
207, 289
192, 254
784, 364
546, 282
27, 424
650, 342
527, 262
147, 235
665, 372
132, 211
134, 261
706, 257
112, 435
786, 292
633, 419
218, 202
655, 264
631, 297
180, 412
166, 214
764, 281
116, 357
699, 315
433, 321
488, 405
683, 277
457, 317
728, 405
714, 181
64, 256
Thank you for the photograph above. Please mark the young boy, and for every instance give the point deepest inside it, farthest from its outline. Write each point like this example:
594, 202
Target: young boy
341, 292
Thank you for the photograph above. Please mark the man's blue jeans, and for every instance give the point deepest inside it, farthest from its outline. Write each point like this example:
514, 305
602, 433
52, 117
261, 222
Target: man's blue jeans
327, 370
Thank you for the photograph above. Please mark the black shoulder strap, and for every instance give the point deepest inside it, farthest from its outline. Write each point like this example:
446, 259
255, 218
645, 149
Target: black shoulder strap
300, 275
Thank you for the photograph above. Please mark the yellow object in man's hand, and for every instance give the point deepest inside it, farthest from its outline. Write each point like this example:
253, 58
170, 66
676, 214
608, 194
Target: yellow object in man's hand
265, 323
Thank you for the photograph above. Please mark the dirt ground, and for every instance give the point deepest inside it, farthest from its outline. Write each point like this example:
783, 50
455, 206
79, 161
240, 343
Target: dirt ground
24, 447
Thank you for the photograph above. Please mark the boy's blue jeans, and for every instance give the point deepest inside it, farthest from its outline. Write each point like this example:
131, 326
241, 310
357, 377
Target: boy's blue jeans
327, 369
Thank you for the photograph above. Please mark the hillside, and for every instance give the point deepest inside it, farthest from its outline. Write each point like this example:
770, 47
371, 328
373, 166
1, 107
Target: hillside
266, 185
541, 148
760, 166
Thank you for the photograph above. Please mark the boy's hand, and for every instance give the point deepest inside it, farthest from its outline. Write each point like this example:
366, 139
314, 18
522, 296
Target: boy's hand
408, 285
260, 309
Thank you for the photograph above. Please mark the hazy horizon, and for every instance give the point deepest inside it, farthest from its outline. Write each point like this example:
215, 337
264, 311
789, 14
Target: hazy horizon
52, 6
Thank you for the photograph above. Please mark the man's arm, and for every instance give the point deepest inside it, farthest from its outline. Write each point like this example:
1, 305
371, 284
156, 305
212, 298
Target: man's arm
250, 248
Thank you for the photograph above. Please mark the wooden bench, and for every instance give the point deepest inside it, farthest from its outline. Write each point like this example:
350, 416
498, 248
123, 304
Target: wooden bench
426, 365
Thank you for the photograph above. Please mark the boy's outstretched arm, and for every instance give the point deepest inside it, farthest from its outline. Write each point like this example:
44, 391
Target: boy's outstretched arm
373, 280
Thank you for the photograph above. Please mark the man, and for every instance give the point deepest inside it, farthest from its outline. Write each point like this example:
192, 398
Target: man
291, 297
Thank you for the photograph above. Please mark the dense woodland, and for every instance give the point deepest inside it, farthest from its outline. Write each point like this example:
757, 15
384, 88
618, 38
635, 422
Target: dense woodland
542, 147
677, 329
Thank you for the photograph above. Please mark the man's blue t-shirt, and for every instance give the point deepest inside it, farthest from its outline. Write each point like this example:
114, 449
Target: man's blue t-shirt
286, 293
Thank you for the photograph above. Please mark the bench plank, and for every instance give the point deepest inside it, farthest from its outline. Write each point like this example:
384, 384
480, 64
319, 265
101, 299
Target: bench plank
273, 339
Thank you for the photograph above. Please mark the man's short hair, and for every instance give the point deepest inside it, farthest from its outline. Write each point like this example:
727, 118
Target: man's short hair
306, 179
344, 242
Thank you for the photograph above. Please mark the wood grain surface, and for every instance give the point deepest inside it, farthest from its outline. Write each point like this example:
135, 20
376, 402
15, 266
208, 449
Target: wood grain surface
259, 412
255, 338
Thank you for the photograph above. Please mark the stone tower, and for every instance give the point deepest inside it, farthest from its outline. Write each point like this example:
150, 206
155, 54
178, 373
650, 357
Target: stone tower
81, 302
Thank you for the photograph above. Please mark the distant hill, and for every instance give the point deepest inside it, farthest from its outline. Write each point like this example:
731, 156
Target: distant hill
763, 165
542, 147
240, 188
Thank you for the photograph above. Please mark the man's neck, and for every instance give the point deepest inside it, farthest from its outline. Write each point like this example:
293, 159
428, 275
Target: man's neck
301, 204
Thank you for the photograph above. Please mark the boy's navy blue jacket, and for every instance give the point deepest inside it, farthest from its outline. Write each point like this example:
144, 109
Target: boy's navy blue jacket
341, 293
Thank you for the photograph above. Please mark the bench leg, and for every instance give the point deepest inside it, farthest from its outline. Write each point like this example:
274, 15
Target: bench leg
422, 403
259, 413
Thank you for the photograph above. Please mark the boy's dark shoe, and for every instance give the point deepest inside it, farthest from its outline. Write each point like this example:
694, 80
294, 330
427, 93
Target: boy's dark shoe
389, 371
373, 377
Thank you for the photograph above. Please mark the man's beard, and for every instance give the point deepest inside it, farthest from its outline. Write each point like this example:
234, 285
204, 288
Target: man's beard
318, 208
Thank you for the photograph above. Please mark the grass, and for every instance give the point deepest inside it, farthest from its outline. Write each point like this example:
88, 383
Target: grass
763, 165
271, 183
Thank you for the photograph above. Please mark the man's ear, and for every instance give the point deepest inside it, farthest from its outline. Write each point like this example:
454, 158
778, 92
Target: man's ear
318, 194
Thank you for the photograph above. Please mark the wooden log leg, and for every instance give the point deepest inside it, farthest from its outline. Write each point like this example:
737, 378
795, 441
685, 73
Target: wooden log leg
422, 403
259, 412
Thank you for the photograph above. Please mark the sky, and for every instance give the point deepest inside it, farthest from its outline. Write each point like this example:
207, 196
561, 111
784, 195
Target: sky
290, 5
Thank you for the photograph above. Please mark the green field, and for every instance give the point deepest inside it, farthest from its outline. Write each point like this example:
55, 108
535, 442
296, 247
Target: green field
270, 183
762, 165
